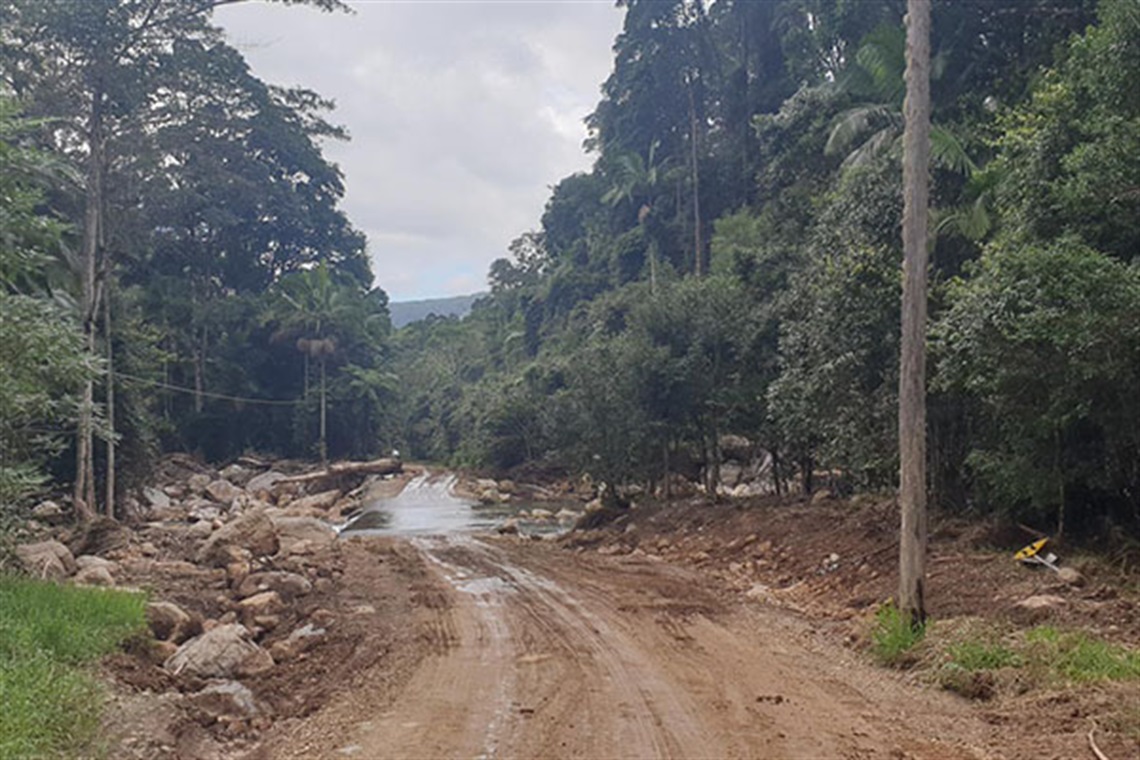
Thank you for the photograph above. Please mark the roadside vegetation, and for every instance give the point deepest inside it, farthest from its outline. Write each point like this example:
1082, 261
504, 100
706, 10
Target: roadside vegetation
48, 635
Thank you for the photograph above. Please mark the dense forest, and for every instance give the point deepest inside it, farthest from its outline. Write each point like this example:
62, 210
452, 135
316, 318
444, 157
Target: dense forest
175, 273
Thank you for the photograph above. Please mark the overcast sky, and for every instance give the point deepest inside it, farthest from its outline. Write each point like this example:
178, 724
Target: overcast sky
462, 115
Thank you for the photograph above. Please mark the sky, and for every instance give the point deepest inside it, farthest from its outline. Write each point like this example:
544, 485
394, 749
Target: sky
462, 113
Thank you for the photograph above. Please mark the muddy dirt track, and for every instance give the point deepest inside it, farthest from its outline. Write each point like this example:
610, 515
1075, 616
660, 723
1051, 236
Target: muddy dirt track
532, 651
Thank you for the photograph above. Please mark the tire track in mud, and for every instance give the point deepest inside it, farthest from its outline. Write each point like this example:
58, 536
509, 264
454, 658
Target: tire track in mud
547, 654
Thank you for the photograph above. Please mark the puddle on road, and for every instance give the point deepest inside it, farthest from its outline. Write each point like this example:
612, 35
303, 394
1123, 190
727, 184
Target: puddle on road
428, 506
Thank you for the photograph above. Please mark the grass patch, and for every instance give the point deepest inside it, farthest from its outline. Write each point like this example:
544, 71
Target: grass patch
974, 655
50, 705
893, 637
1076, 656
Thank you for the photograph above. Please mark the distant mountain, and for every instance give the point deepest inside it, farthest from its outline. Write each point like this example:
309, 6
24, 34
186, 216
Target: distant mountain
406, 312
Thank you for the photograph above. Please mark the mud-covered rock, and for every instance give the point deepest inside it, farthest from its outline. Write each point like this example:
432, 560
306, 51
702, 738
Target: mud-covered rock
223, 652
222, 699
288, 585
236, 474
292, 532
252, 531
265, 604
95, 575
297, 642
46, 559
169, 622
321, 502
49, 512
222, 491
263, 482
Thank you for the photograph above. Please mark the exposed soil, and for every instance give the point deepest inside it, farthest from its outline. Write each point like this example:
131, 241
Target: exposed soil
684, 630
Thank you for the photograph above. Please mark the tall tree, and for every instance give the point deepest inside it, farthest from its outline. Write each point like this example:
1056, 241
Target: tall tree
98, 69
912, 362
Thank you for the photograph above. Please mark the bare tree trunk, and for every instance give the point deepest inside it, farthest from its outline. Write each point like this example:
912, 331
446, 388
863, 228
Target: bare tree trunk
912, 362
110, 497
84, 494
698, 254
324, 447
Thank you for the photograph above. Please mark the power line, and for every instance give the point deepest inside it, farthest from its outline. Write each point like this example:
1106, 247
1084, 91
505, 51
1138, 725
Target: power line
207, 394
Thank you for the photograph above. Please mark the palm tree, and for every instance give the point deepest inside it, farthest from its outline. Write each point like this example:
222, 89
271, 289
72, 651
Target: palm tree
635, 180
874, 126
312, 305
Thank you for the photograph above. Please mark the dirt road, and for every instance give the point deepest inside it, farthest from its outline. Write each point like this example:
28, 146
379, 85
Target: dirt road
541, 652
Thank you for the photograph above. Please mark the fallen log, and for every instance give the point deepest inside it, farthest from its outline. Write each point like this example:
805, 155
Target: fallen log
385, 466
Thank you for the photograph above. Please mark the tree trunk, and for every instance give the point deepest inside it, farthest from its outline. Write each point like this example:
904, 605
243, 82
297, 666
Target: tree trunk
323, 445
912, 362
698, 254
84, 494
110, 497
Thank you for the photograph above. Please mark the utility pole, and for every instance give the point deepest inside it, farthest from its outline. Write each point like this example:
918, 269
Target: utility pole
912, 360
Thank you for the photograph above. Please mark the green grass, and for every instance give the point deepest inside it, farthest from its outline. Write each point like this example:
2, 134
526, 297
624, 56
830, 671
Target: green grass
973, 655
1076, 656
50, 704
893, 636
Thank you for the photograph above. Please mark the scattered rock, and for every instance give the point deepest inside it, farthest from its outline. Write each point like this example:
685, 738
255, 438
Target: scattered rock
260, 605
508, 527
169, 622
155, 498
202, 510
322, 501
541, 514
1042, 602
263, 482
292, 531
567, 515
223, 491
46, 559
288, 586
236, 474
86, 561
49, 512
96, 575
223, 652
227, 698
299, 641
197, 482
253, 531
1071, 575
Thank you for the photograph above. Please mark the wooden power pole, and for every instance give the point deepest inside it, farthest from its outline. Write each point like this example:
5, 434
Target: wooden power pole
912, 361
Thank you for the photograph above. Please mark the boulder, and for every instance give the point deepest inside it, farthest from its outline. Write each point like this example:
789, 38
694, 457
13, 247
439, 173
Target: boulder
1071, 576
236, 474
292, 531
258, 606
541, 514
1042, 602
322, 501
253, 531
288, 585
567, 515
46, 559
507, 486
202, 510
169, 622
224, 699
86, 561
198, 482
49, 512
509, 527
222, 491
263, 482
222, 652
155, 498
95, 575
299, 641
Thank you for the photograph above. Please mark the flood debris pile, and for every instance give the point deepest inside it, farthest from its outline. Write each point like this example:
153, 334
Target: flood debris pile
244, 572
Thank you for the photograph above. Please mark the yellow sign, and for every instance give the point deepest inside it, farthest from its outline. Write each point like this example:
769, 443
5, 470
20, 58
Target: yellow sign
1031, 550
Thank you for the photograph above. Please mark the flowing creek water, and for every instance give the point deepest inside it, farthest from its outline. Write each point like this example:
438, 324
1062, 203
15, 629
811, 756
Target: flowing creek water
428, 505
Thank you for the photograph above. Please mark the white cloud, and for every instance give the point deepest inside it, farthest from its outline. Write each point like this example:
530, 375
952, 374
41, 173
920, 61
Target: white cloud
462, 115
